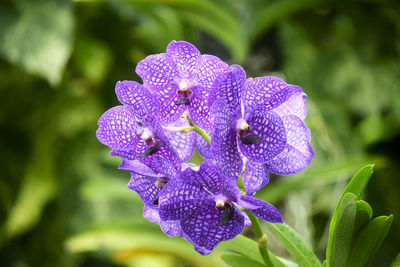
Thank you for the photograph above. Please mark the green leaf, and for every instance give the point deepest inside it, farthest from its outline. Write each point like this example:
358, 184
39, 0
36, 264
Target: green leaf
294, 244
355, 186
363, 215
369, 240
38, 188
359, 181
237, 260
249, 248
37, 36
135, 238
340, 240
396, 261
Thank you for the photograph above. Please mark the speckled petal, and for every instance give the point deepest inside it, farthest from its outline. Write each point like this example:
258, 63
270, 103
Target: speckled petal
157, 72
266, 92
295, 105
185, 56
255, 177
137, 97
169, 110
208, 69
264, 211
183, 143
118, 129
171, 228
137, 167
224, 141
203, 230
229, 86
181, 196
150, 212
199, 111
203, 147
213, 181
297, 153
270, 127
145, 187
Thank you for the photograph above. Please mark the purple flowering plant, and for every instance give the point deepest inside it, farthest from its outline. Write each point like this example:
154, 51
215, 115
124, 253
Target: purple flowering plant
243, 127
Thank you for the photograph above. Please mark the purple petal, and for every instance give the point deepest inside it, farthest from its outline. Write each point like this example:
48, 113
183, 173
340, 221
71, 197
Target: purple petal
224, 142
297, 153
137, 167
169, 110
264, 211
118, 129
182, 195
255, 177
157, 72
171, 228
183, 143
165, 161
199, 111
270, 127
136, 97
145, 187
208, 69
203, 230
185, 56
203, 147
213, 181
295, 105
150, 212
228, 86
266, 92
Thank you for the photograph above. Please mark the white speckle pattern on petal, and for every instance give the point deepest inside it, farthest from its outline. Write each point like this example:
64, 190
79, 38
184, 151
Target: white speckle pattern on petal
297, 153
118, 129
269, 126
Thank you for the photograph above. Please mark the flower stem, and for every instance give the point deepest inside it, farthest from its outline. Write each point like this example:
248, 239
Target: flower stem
262, 238
200, 131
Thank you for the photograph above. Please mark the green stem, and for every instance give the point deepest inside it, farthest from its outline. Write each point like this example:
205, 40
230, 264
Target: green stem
200, 131
262, 239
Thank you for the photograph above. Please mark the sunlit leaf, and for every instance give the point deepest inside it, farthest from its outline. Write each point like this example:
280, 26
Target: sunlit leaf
294, 244
37, 36
396, 261
135, 238
369, 241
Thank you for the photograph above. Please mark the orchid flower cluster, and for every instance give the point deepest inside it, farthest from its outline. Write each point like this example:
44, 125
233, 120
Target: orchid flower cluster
244, 128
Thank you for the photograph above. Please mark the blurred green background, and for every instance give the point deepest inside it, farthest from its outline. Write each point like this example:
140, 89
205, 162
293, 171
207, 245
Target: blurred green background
62, 200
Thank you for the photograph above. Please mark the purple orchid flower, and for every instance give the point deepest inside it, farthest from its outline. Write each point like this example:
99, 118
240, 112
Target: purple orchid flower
205, 202
180, 80
261, 120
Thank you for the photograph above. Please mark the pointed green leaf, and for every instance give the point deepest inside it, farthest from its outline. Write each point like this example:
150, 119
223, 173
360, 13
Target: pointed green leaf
294, 244
363, 215
340, 242
359, 181
369, 240
237, 260
355, 186
396, 261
